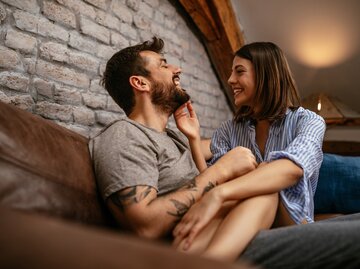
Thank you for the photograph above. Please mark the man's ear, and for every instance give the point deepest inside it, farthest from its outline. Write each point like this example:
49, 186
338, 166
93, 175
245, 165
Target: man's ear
139, 83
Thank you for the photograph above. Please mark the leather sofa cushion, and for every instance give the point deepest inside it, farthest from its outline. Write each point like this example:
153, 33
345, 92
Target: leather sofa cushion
46, 168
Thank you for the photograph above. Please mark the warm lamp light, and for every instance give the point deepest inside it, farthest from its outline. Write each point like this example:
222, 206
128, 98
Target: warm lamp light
322, 41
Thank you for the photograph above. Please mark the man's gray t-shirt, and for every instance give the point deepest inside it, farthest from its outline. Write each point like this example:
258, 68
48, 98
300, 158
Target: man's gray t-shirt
127, 154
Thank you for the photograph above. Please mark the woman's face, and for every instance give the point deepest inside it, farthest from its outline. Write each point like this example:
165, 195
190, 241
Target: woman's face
242, 82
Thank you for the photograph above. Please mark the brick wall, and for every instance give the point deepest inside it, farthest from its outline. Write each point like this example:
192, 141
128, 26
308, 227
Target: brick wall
52, 55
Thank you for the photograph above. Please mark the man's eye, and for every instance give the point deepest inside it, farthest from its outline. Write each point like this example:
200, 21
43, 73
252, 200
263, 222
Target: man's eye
165, 66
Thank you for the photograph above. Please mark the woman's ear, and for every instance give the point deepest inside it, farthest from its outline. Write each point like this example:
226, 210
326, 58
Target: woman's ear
139, 83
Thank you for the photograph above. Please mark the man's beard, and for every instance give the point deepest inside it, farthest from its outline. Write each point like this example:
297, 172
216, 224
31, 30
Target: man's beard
168, 97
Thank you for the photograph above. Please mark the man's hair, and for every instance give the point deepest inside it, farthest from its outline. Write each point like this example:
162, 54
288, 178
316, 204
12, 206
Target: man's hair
275, 88
124, 64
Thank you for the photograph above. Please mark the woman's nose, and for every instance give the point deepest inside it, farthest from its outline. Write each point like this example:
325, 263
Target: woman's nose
231, 79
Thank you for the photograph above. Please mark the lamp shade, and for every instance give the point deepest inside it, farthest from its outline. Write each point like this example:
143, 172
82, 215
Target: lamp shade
331, 109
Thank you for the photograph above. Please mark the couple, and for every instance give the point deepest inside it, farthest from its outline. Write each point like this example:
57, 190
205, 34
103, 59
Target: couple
264, 163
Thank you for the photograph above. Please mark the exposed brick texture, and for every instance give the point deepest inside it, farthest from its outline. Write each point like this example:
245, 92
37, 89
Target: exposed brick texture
53, 54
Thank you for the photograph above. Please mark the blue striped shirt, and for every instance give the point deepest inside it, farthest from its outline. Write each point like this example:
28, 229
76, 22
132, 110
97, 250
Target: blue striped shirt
298, 137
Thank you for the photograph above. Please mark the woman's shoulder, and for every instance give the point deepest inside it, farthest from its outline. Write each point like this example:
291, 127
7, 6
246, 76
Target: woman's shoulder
304, 114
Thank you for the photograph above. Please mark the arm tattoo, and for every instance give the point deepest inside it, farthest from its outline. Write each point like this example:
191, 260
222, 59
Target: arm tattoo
129, 196
181, 208
191, 185
209, 186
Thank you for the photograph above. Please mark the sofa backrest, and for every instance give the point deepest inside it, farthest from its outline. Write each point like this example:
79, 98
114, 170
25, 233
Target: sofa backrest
47, 169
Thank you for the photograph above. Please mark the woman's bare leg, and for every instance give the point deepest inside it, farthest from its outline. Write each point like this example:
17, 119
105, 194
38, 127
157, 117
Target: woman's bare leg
203, 239
241, 224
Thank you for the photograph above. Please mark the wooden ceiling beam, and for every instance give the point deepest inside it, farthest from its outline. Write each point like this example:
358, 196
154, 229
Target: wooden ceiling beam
220, 33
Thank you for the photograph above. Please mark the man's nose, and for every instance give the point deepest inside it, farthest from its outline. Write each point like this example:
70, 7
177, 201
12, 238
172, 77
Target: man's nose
175, 69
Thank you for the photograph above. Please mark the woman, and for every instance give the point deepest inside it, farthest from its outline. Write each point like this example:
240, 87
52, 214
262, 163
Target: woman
286, 140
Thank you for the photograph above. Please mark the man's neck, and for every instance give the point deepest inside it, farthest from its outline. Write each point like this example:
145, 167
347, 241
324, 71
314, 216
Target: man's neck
150, 117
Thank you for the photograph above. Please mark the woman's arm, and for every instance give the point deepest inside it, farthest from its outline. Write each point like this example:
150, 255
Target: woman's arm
205, 148
270, 178
188, 123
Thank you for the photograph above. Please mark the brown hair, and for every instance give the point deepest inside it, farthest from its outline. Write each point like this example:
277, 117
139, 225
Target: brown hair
124, 64
275, 87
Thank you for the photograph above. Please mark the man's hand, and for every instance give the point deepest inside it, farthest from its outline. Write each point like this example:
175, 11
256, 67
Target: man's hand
198, 216
187, 121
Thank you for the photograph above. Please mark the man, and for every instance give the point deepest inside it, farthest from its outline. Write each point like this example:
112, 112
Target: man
145, 172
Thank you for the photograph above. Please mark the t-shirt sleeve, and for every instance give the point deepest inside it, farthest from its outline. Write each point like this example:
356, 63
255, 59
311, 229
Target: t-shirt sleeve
220, 142
124, 157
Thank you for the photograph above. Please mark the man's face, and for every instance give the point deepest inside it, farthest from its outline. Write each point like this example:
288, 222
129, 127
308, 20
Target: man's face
166, 92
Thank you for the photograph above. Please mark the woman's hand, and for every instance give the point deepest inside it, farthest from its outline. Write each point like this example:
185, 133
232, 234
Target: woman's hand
187, 121
198, 216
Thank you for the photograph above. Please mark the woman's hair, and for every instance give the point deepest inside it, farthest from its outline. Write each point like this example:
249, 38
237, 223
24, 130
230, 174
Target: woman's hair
124, 64
275, 88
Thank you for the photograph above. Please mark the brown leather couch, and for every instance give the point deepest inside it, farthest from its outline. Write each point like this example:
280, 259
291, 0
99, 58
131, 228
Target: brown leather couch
51, 215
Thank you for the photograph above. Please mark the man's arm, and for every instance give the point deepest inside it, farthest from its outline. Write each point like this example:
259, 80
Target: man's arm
151, 216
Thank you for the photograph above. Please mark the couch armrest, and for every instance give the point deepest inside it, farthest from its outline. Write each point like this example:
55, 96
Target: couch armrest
34, 241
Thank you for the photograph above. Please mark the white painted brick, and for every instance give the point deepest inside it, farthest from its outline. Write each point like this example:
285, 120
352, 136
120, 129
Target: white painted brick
15, 81
67, 96
3, 97
28, 5
112, 106
172, 60
105, 118
119, 41
152, 3
59, 14
146, 9
30, 65
98, 3
26, 21
159, 17
44, 87
107, 20
54, 51
122, 12
48, 29
79, 7
54, 111
83, 115
9, 58
84, 61
95, 30
102, 68
97, 101
21, 41
133, 4
81, 130
62, 74
128, 31
167, 9
170, 23
96, 87
145, 35
105, 52
141, 21
80, 42
157, 30
175, 50
24, 102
